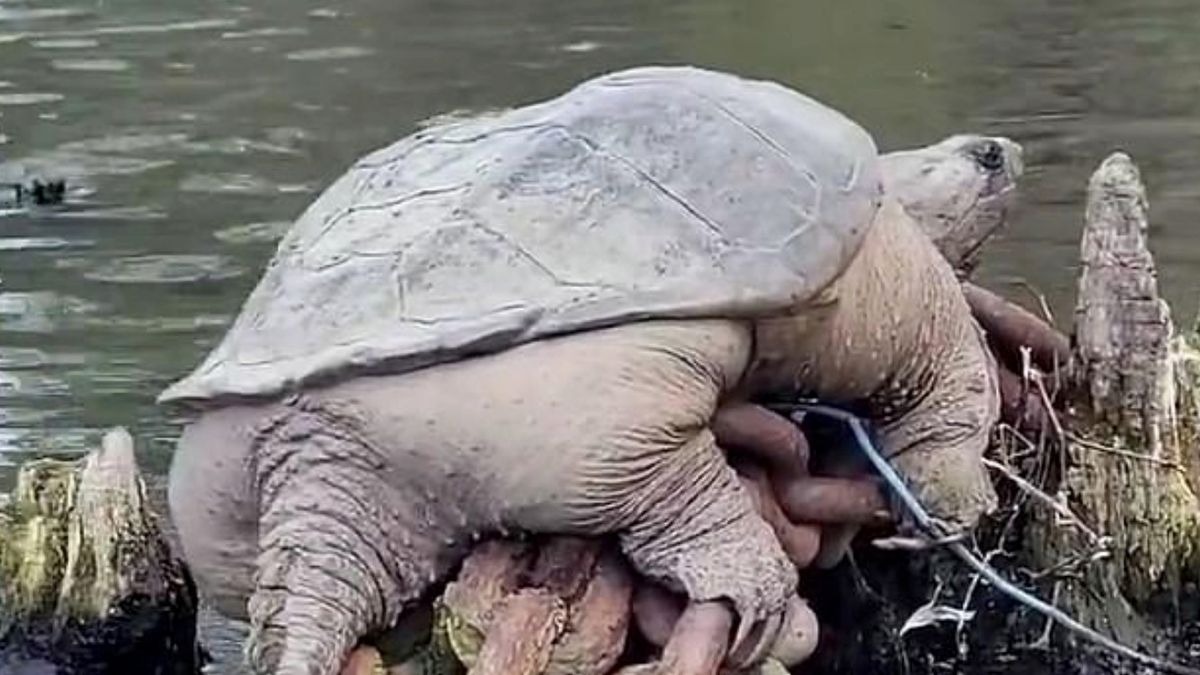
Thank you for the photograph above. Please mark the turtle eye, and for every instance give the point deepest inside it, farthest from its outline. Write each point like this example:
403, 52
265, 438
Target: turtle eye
990, 155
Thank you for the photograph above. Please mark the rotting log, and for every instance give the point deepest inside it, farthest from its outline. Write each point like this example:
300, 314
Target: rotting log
88, 583
558, 605
1130, 464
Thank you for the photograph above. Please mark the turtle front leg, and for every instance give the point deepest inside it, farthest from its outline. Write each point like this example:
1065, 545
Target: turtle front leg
697, 532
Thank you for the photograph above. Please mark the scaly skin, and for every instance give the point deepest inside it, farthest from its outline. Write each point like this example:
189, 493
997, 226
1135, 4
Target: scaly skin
362, 493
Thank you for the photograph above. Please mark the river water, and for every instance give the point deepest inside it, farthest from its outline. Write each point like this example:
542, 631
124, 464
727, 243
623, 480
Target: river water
191, 133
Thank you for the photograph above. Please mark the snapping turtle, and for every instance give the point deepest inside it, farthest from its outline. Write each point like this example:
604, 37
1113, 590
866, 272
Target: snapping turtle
527, 322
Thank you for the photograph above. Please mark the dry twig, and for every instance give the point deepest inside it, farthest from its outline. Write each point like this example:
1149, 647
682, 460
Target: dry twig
1044, 306
1100, 447
1068, 517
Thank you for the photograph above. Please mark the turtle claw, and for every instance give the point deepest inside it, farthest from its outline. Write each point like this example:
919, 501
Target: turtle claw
754, 639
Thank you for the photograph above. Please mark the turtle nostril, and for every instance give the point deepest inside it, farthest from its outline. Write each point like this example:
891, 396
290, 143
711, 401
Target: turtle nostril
990, 156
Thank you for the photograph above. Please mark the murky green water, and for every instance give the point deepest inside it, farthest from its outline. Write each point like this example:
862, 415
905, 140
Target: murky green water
193, 131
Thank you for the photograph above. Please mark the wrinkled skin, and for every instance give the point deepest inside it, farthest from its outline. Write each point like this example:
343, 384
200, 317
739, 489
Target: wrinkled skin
322, 516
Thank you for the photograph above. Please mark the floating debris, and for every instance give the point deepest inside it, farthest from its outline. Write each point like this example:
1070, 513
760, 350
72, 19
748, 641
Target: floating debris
39, 192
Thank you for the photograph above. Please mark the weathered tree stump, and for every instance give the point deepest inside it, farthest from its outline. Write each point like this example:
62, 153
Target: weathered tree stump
88, 584
1131, 464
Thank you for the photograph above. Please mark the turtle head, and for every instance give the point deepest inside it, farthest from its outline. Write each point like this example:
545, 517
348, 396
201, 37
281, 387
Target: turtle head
959, 191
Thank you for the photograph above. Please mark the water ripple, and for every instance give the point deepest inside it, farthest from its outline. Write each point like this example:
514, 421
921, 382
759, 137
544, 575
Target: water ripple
26, 14
161, 325
31, 385
17, 358
41, 311
254, 232
580, 47
131, 213
227, 183
329, 53
326, 13
68, 164
165, 269
97, 65
134, 142
29, 98
66, 43
238, 146
142, 29
40, 244
264, 32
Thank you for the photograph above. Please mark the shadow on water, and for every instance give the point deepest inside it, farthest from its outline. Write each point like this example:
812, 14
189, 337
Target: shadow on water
191, 133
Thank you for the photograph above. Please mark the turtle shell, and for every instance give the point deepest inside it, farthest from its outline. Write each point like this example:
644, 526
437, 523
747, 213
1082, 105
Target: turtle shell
648, 193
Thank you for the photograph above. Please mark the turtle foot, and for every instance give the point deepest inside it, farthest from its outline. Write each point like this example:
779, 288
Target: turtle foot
707, 541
